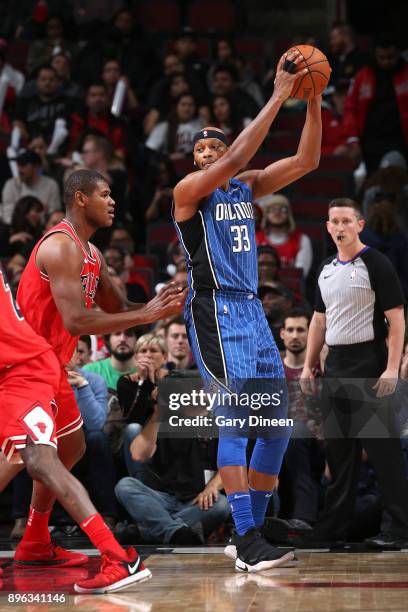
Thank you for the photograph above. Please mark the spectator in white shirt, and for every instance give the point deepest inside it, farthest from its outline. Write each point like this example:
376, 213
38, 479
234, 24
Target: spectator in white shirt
174, 137
30, 181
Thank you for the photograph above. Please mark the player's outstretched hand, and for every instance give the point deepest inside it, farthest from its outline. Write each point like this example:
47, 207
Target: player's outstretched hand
285, 80
167, 303
307, 382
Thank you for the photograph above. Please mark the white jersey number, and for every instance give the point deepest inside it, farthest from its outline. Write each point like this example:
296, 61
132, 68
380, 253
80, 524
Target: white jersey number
241, 238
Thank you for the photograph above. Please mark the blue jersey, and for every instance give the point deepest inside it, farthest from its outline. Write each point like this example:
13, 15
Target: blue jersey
219, 241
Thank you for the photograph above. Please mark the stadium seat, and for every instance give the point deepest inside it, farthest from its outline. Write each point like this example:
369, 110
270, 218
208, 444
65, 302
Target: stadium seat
159, 15
203, 47
312, 209
291, 273
183, 166
283, 142
314, 230
335, 162
211, 15
160, 233
259, 162
250, 47
148, 276
289, 121
253, 50
145, 261
280, 46
17, 52
324, 184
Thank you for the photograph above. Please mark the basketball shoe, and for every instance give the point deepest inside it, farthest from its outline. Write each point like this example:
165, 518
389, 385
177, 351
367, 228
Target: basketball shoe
116, 574
230, 550
40, 554
255, 554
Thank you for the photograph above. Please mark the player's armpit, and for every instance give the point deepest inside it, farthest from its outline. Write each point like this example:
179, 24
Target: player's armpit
108, 296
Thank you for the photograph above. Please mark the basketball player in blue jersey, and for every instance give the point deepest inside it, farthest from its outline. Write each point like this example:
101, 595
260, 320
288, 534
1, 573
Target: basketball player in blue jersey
228, 331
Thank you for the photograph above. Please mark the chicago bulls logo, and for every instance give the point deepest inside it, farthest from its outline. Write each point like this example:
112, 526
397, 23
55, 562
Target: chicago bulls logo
42, 427
38, 424
89, 285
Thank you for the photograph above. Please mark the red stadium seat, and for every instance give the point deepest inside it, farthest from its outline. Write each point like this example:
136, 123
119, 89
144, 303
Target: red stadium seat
17, 53
280, 46
283, 142
335, 162
259, 162
253, 51
250, 47
160, 233
159, 15
289, 122
148, 276
203, 48
324, 184
309, 209
292, 278
211, 15
315, 231
145, 261
183, 166
291, 273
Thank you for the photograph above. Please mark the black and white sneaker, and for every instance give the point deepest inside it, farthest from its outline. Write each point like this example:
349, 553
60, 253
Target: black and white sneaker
230, 551
255, 554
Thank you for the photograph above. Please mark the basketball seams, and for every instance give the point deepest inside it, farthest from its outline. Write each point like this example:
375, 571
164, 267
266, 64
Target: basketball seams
310, 71
293, 94
321, 74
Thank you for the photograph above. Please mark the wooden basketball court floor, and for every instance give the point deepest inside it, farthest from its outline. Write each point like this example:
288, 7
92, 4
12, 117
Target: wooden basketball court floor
203, 579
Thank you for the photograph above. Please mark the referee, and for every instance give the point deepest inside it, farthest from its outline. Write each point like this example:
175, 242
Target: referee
359, 302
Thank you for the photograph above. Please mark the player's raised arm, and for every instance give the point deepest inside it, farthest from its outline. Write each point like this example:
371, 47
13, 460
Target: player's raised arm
189, 191
285, 171
67, 291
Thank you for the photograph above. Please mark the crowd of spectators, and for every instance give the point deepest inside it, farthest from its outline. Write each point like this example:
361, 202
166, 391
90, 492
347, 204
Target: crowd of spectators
63, 112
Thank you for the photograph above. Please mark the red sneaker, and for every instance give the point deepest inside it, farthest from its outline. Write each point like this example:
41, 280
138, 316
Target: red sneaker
116, 574
38, 554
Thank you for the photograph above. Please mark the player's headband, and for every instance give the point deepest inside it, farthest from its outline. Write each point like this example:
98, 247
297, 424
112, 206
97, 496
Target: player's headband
209, 134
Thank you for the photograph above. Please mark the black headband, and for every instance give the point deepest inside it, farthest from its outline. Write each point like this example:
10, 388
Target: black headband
209, 134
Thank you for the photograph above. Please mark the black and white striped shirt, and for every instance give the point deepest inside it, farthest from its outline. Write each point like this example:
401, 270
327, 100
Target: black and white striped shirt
354, 295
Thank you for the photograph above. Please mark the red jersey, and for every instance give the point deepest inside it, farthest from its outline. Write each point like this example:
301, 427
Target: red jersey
36, 300
289, 249
18, 342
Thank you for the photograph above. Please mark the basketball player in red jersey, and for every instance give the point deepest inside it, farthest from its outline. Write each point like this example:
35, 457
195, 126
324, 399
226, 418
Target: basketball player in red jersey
63, 277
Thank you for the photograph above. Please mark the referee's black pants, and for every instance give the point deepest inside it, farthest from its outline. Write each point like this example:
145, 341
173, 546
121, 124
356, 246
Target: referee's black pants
354, 419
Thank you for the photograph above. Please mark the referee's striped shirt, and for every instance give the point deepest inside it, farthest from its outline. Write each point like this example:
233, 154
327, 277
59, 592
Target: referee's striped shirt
354, 294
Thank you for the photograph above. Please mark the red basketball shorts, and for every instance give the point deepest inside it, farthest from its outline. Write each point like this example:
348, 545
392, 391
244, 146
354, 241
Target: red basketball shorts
37, 401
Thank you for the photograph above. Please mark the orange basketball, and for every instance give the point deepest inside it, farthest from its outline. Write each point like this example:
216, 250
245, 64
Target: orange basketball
317, 77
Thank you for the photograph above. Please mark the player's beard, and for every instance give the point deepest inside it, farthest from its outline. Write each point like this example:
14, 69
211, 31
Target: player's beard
123, 355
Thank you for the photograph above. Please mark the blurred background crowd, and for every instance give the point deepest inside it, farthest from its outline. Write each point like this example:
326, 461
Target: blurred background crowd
121, 87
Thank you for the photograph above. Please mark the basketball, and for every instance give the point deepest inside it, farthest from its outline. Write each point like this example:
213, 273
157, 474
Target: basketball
318, 75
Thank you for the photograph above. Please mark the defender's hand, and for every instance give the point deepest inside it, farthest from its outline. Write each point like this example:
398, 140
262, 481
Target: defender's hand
167, 303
